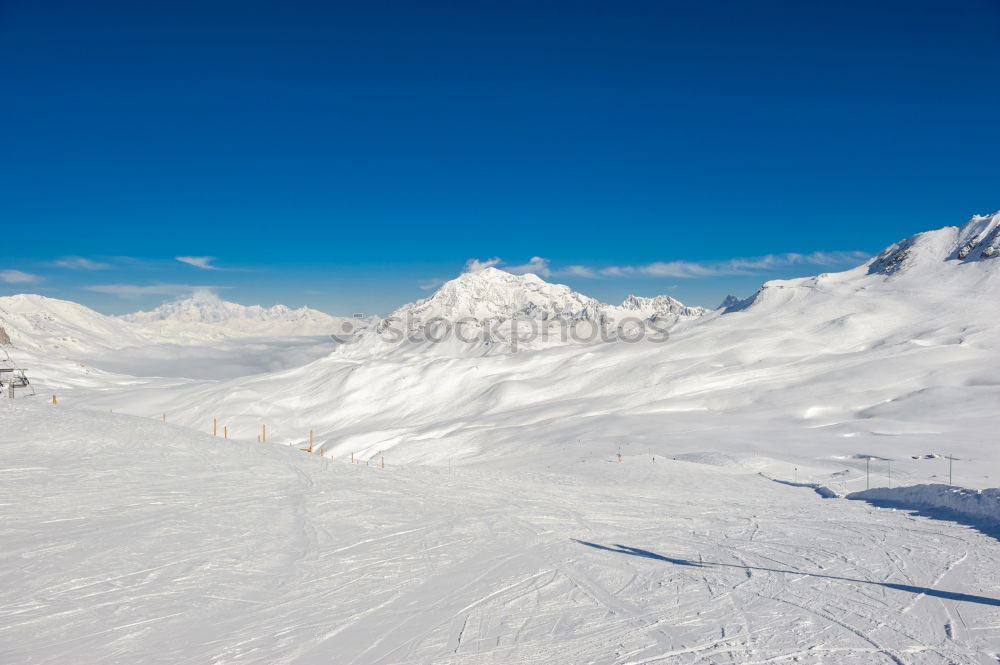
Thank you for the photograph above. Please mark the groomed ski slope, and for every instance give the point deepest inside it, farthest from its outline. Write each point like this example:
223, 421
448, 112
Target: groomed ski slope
127, 540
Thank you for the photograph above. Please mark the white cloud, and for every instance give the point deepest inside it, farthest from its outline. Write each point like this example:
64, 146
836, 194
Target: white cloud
475, 265
429, 284
537, 266
79, 263
203, 262
136, 290
578, 271
17, 277
737, 266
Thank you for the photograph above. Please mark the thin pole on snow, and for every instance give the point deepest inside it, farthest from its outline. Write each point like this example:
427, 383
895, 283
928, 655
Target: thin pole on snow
215, 427
868, 477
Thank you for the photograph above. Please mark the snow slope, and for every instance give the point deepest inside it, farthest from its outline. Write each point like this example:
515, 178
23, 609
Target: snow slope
127, 540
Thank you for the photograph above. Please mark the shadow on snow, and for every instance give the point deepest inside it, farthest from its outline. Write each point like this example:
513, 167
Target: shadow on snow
950, 595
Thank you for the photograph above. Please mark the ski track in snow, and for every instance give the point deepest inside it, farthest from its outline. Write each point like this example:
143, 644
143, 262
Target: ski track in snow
127, 540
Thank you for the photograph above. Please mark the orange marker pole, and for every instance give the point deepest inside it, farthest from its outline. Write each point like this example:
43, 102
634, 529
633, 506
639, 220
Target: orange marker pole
215, 427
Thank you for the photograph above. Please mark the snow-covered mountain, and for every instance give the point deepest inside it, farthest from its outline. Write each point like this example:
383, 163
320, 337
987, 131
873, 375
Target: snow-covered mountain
960, 260
854, 362
649, 475
493, 307
659, 307
496, 294
63, 328
978, 240
206, 316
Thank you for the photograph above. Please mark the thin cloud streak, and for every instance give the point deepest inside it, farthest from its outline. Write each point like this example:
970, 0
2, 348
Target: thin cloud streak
679, 269
136, 290
17, 277
203, 262
79, 263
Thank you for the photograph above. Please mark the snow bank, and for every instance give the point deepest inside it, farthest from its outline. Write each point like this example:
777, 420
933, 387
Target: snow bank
977, 505
822, 490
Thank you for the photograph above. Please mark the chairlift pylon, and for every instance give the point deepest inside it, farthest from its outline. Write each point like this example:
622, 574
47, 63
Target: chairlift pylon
13, 378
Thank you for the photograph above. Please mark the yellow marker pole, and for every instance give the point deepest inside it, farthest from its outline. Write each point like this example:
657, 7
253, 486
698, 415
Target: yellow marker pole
352, 458
53, 399
225, 431
215, 427
383, 461
263, 433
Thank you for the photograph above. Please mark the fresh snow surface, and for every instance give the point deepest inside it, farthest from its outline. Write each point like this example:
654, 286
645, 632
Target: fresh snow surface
503, 528
127, 540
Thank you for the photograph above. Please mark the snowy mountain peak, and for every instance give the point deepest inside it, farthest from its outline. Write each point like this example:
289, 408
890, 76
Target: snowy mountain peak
977, 240
491, 294
659, 307
730, 301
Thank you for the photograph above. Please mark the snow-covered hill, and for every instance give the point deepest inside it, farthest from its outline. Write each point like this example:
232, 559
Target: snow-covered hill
62, 328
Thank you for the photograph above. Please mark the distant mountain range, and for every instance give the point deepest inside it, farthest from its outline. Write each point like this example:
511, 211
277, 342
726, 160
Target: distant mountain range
206, 315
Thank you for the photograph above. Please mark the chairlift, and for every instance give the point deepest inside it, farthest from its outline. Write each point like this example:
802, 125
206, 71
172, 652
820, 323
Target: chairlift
13, 378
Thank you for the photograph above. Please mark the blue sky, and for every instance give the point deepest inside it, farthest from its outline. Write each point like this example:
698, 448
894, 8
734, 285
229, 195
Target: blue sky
351, 155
